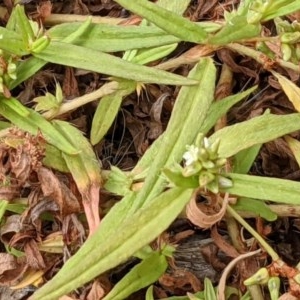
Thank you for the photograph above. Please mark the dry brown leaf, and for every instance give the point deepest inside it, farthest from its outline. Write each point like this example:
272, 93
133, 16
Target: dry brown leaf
99, 289
198, 214
70, 85
287, 296
44, 205
11, 226
223, 244
11, 268
291, 89
33, 255
180, 281
58, 191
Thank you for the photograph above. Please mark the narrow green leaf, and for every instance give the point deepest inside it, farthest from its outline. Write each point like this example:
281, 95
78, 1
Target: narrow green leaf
87, 160
179, 180
53, 159
177, 7
113, 38
4, 125
17, 208
219, 108
149, 293
3, 206
258, 130
209, 292
265, 188
12, 42
244, 159
280, 8
84, 26
33, 122
89, 59
145, 56
107, 110
136, 232
188, 115
26, 69
235, 30
23, 25
140, 276
258, 207
168, 21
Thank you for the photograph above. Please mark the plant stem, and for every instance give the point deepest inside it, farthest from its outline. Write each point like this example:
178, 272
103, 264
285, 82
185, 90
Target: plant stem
260, 57
106, 89
262, 242
55, 19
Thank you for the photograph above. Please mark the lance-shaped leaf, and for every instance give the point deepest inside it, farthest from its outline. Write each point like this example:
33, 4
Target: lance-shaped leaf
107, 110
168, 21
29, 120
85, 169
3, 206
26, 69
113, 38
259, 208
280, 8
12, 42
219, 108
140, 276
264, 188
138, 230
54, 159
291, 90
258, 130
235, 30
187, 118
89, 59
295, 147
23, 25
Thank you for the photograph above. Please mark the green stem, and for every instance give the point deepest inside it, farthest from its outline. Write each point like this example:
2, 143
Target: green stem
55, 19
260, 57
106, 89
262, 242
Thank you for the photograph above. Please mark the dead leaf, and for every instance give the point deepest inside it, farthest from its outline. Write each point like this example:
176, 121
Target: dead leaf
58, 191
287, 296
70, 85
33, 255
223, 244
180, 281
99, 289
291, 90
11, 269
45, 205
199, 215
11, 226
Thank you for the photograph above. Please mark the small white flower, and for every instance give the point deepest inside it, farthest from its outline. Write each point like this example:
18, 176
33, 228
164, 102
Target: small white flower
191, 155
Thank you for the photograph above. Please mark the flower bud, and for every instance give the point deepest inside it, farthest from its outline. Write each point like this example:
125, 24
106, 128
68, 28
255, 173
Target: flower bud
274, 286
205, 178
260, 277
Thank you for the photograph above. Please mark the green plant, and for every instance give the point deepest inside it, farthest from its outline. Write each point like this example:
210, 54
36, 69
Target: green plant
167, 186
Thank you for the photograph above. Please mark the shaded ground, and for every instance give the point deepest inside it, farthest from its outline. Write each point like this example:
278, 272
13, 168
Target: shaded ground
140, 121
